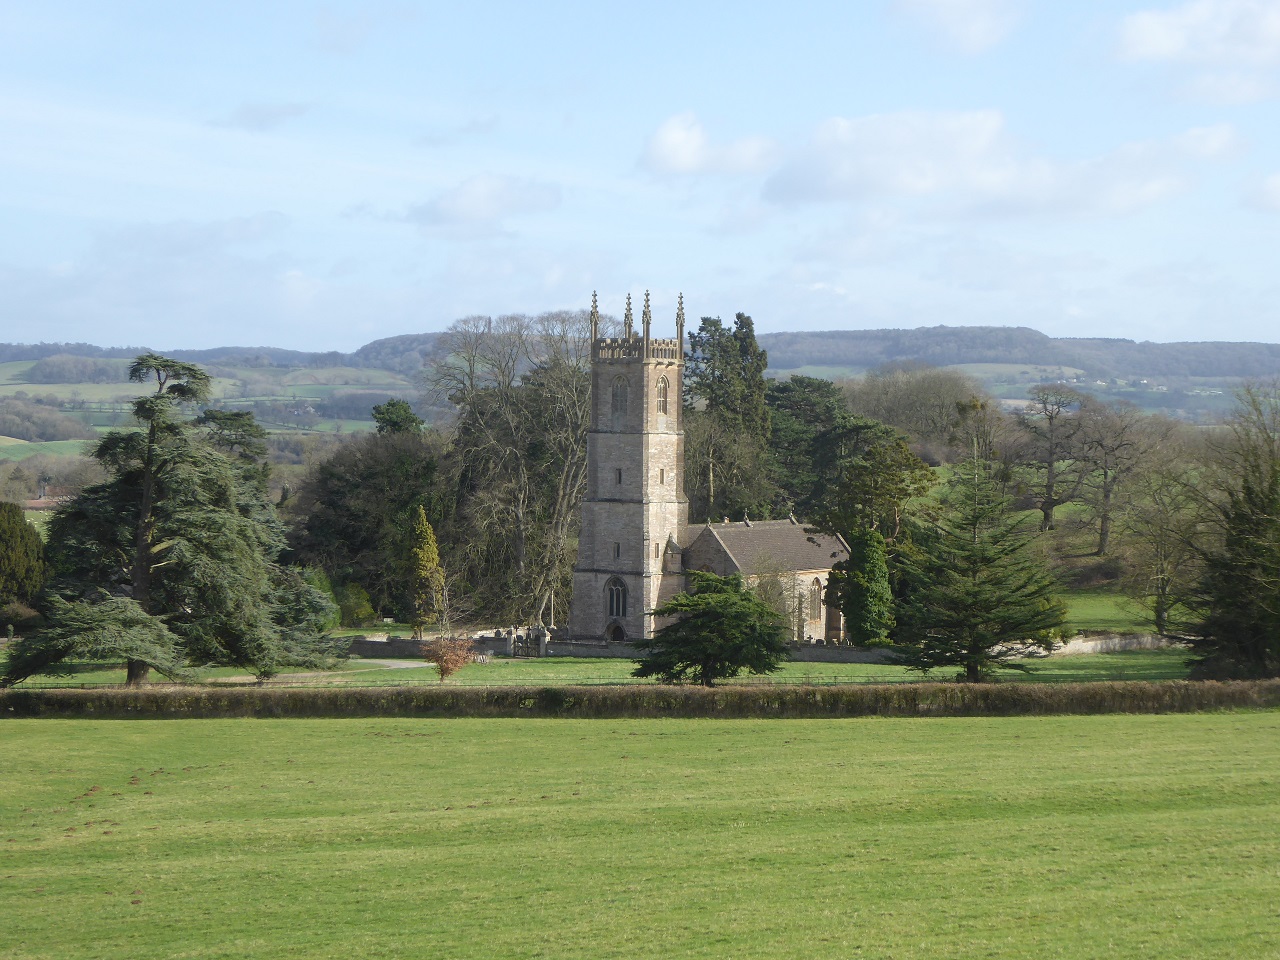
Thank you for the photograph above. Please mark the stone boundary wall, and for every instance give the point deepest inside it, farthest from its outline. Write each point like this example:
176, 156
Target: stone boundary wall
1112, 643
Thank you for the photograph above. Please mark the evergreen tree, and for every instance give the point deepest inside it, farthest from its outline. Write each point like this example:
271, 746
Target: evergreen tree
397, 416
722, 629
427, 575
861, 586
980, 596
183, 528
1237, 601
21, 556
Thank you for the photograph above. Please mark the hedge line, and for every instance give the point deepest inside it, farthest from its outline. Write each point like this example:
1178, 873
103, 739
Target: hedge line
855, 700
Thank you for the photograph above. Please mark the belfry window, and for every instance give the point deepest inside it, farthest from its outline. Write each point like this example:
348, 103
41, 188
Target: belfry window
615, 592
619, 403
663, 387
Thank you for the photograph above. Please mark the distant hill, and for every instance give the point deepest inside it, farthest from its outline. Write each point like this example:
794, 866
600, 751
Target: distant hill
943, 346
852, 350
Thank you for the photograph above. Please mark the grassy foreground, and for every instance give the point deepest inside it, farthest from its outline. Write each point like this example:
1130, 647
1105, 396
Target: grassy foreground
1115, 836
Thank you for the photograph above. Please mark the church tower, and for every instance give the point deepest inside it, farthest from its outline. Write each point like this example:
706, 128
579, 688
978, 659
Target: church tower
635, 511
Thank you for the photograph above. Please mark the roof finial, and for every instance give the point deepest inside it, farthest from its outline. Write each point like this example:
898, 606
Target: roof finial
680, 322
595, 317
646, 318
627, 319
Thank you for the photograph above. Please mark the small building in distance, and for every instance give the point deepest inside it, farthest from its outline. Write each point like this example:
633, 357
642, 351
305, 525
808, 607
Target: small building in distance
635, 545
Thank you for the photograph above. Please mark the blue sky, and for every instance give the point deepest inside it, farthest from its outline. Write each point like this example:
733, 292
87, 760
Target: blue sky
318, 175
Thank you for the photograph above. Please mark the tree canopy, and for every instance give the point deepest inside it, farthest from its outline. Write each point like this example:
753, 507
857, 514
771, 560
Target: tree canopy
183, 530
981, 596
22, 567
722, 629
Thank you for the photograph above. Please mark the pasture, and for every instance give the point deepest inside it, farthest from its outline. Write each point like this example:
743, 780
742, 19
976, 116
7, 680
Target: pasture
1076, 837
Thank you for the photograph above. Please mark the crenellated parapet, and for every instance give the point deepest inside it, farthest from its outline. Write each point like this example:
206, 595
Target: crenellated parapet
632, 346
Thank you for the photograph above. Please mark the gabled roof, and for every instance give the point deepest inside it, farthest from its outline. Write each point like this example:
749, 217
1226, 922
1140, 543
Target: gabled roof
766, 546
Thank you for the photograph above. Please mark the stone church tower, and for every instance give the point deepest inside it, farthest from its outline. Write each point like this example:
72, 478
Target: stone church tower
635, 511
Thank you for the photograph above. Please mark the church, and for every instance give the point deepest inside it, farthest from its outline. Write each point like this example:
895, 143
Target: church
636, 544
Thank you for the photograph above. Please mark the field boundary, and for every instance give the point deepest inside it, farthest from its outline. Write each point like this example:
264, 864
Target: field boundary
861, 700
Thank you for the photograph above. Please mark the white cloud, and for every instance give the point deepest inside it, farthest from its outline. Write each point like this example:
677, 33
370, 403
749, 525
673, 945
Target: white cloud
970, 26
486, 200
1233, 46
1217, 32
262, 117
681, 145
1208, 143
968, 162
1267, 194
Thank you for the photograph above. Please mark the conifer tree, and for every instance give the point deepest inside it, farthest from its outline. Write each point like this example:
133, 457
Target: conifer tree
980, 596
183, 530
21, 556
1237, 601
722, 629
428, 575
861, 586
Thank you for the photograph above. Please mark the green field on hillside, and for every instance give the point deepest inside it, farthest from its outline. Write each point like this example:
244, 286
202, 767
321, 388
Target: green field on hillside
1073, 837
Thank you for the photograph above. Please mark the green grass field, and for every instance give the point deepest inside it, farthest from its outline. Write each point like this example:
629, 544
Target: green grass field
1168, 664
1103, 611
1081, 837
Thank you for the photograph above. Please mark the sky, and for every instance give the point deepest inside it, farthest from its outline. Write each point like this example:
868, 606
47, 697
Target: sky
319, 175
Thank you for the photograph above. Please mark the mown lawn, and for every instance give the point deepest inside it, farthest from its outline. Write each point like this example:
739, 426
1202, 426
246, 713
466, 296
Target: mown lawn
1079, 837
1168, 664
1103, 611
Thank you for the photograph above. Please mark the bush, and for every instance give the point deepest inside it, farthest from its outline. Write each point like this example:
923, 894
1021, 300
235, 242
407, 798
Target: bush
353, 602
449, 654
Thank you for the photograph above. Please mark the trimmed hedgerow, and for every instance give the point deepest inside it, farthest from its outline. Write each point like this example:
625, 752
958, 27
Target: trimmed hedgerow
854, 700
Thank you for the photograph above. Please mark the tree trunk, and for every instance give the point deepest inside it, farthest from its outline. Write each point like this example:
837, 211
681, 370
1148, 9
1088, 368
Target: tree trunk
135, 673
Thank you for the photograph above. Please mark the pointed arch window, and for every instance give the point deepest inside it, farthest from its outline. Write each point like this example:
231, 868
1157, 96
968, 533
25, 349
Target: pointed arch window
664, 387
619, 402
615, 594
815, 599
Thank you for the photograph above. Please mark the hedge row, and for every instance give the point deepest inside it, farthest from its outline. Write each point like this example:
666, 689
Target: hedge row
855, 700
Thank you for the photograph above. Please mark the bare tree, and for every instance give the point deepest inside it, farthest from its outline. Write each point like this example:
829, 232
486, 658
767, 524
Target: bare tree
1115, 441
522, 389
1052, 424
926, 403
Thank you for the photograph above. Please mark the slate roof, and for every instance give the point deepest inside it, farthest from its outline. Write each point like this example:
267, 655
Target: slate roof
767, 546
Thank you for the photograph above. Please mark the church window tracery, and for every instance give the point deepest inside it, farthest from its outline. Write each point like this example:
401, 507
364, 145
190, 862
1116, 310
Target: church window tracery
815, 599
619, 402
616, 597
663, 388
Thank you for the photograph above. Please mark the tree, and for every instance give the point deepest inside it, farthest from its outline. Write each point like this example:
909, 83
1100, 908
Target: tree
182, 527
926, 403
397, 416
450, 653
1237, 601
980, 595
353, 515
800, 410
861, 586
726, 421
1051, 422
1163, 529
724, 369
22, 568
722, 629
427, 575
522, 389
1115, 441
